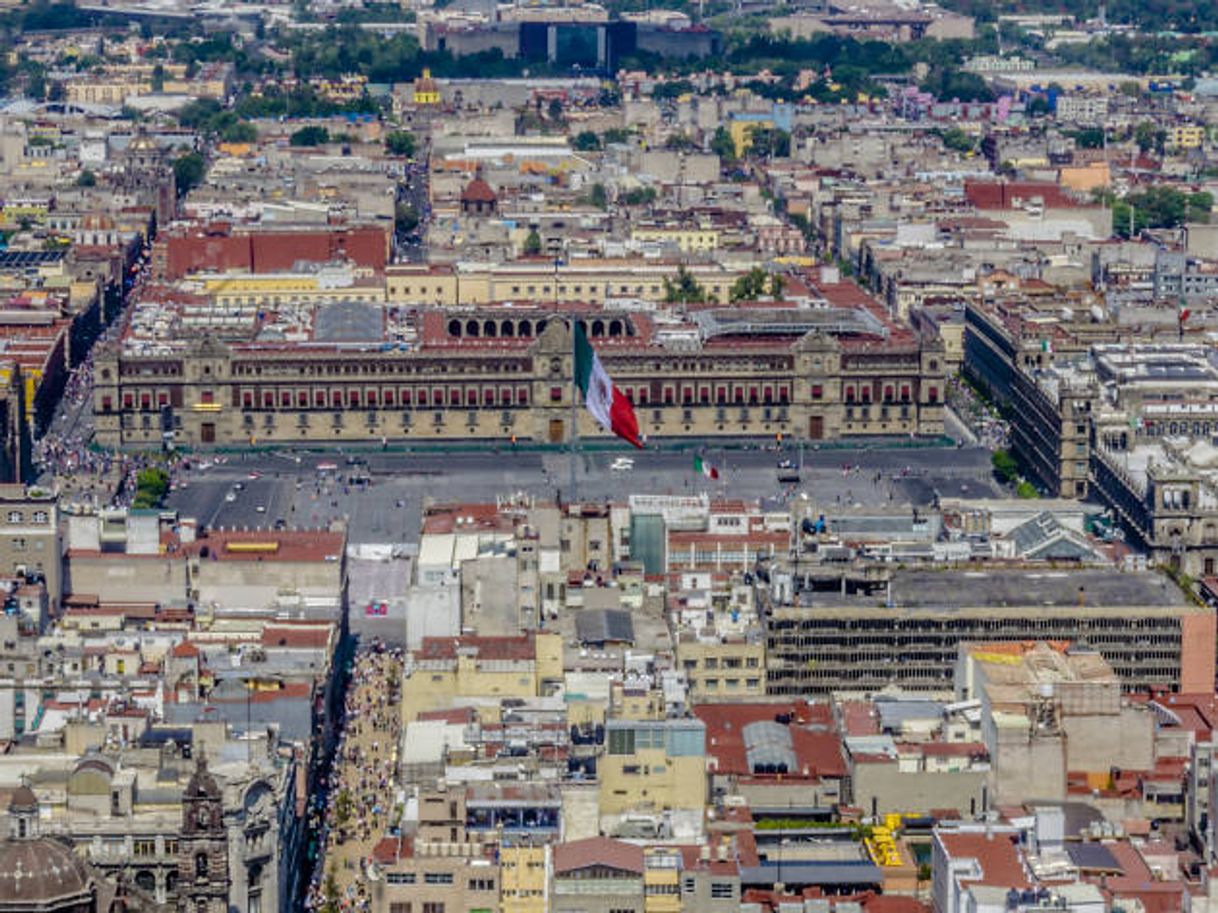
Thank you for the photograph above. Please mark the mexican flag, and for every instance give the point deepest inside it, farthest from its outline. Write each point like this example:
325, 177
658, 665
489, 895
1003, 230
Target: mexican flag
605, 401
704, 468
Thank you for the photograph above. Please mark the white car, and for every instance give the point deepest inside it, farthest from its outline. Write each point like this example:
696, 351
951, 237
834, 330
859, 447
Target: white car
230, 497
261, 508
622, 464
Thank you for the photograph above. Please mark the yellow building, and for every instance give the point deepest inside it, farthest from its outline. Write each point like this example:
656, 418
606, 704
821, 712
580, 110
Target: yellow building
591, 280
720, 669
1185, 136
426, 90
662, 880
652, 766
689, 240
106, 91
523, 879
344, 89
15, 211
487, 667
233, 289
741, 132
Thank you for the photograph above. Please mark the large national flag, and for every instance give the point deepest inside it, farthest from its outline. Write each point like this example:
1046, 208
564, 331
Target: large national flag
704, 468
604, 400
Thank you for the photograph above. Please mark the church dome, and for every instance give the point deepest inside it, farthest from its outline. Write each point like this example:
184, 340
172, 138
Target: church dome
43, 873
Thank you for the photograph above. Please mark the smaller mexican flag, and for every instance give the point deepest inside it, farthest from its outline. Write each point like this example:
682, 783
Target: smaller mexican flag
603, 399
704, 468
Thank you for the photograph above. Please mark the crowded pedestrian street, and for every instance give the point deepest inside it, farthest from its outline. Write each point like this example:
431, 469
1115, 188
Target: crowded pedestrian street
360, 799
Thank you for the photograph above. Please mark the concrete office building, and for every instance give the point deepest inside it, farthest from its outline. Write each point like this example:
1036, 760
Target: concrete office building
1140, 623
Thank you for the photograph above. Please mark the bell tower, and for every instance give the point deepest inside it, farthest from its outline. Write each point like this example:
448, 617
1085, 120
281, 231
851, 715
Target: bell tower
203, 878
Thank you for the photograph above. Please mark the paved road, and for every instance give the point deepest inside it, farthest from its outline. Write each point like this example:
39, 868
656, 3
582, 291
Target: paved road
296, 495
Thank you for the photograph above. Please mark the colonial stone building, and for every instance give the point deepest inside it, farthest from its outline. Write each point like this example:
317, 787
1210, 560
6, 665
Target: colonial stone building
203, 877
501, 374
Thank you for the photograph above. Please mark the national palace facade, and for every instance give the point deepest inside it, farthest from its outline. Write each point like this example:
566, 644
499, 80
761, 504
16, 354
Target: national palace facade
504, 374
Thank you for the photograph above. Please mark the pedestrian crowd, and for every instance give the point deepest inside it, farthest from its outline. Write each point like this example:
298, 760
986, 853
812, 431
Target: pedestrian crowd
360, 792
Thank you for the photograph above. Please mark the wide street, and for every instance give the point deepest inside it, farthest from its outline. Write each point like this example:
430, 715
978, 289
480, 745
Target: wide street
286, 487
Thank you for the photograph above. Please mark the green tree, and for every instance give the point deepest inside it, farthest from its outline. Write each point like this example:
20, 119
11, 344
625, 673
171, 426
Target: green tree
151, 487
36, 82
86, 179
400, 142
1089, 138
723, 145
680, 142
765, 142
239, 132
554, 110
750, 286
639, 196
1149, 136
532, 244
158, 78
685, 289
1026, 490
1005, 466
948, 83
958, 140
598, 196
1159, 207
405, 218
586, 141
777, 284
310, 136
615, 135
189, 171
1038, 107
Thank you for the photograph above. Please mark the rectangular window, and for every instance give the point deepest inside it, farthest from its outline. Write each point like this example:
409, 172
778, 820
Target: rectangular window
438, 877
817, 391
621, 741
433, 907
401, 906
555, 394
721, 890
400, 878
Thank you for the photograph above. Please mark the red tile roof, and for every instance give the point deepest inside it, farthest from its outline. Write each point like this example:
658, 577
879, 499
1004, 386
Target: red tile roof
1011, 194
478, 191
996, 854
297, 634
511, 647
817, 745
598, 851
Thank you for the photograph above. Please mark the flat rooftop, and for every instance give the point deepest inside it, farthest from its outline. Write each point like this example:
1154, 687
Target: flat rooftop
1004, 588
